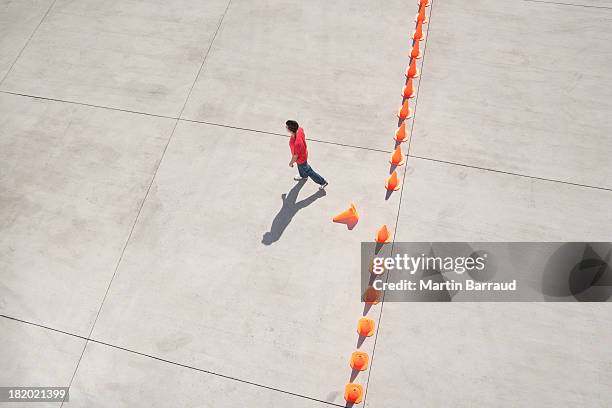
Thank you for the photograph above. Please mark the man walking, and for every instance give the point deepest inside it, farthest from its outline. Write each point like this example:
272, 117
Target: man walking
299, 155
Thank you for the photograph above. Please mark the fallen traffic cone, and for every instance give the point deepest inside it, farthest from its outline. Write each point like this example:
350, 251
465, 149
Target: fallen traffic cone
350, 216
408, 90
415, 53
424, 3
397, 158
371, 295
418, 33
412, 71
422, 16
393, 183
365, 327
404, 111
382, 235
400, 133
353, 393
359, 361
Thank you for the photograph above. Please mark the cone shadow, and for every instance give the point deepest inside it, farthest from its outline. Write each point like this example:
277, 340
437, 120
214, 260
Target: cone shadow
378, 247
371, 279
360, 341
366, 308
354, 374
388, 194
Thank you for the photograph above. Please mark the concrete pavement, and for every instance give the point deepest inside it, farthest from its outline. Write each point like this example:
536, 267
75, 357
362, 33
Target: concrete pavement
154, 250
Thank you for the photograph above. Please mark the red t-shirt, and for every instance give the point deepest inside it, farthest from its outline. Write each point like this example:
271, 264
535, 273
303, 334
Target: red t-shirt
297, 145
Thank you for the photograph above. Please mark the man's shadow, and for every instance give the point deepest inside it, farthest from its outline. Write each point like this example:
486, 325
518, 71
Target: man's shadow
288, 210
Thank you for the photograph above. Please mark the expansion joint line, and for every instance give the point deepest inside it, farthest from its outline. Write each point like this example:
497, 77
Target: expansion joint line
127, 241
28, 41
360, 361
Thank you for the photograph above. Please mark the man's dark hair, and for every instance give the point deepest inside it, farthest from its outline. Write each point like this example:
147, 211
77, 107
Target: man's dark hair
292, 125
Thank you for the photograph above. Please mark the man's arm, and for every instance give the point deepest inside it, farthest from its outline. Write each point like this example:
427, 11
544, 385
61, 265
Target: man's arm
293, 160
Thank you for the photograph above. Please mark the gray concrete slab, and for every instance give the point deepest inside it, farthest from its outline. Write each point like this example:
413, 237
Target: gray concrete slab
72, 180
339, 67
36, 357
495, 354
135, 55
443, 202
518, 86
18, 20
198, 286
110, 376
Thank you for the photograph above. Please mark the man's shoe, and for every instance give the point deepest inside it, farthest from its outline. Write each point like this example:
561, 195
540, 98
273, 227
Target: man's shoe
322, 186
298, 178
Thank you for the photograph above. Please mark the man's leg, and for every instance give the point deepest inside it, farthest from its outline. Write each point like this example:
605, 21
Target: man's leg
302, 171
313, 174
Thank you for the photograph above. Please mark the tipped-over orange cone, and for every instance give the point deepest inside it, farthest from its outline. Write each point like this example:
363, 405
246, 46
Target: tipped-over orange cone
353, 393
359, 360
422, 17
383, 235
393, 182
397, 158
404, 111
365, 327
400, 133
418, 33
348, 216
408, 90
371, 295
415, 53
412, 71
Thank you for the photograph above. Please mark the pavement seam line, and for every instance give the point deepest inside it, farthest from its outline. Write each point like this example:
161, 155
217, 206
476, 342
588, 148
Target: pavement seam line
416, 100
313, 140
568, 4
510, 173
127, 241
28, 41
186, 120
176, 363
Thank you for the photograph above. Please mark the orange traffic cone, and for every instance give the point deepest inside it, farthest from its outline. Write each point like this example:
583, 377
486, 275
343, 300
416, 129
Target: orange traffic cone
353, 393
350, 216
415, 52
371, 295
365, 327
412, 71
424, 3
404, 111
418, 33
422, 17
383, 235
408, 90
397, 158
393, 183
359, 360
400, 133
